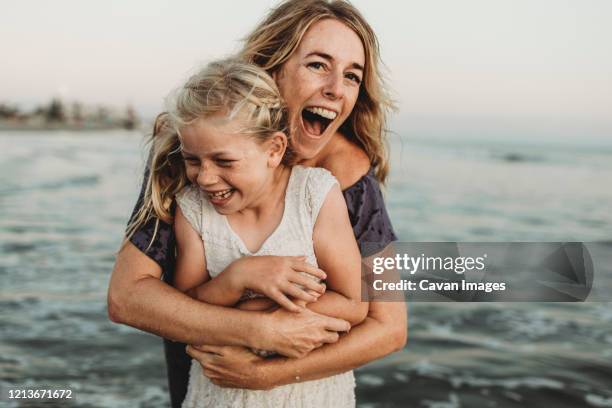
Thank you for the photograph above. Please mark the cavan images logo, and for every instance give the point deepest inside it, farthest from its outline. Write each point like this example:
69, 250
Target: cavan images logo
572, 265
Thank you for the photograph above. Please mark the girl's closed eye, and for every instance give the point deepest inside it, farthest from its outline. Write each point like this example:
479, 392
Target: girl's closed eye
191, 161
225, 162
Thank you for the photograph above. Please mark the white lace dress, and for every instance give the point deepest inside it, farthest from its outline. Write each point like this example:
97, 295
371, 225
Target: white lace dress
306, 191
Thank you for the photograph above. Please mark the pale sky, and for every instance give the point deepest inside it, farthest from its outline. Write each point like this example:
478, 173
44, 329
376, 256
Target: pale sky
501, 58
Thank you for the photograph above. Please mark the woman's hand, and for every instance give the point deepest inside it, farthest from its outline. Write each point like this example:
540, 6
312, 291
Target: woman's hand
231, 366
278, 277
297, 334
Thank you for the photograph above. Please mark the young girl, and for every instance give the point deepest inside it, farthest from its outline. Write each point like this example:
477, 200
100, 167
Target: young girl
243, 199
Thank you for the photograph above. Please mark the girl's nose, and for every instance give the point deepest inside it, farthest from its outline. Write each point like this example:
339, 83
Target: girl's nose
206, 176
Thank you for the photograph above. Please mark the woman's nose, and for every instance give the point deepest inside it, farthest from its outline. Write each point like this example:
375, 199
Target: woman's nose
334, 87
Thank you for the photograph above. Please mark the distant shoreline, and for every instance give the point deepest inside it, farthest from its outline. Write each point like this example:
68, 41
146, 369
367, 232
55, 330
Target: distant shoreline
12, 127
34, 128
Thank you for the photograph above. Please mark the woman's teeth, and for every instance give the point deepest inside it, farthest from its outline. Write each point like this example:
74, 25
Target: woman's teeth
221, 194
327, 114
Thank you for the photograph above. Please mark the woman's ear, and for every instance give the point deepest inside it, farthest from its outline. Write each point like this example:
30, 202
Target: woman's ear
277, 144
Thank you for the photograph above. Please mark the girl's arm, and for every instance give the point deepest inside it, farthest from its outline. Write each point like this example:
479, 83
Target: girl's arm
191, 275
275, 277
265, 274
338, 255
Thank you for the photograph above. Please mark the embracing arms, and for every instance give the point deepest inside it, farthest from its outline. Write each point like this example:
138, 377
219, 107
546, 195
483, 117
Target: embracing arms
383, 332
275, 278
137, 297
279, 279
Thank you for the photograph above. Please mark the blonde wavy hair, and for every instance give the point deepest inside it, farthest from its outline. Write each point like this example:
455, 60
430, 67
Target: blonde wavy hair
277, 37
231, 87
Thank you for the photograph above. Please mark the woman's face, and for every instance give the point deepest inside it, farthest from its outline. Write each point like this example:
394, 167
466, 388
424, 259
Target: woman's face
320, 83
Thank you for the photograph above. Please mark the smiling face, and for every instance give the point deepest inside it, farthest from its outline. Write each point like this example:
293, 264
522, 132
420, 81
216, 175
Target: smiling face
320, 84
234, 170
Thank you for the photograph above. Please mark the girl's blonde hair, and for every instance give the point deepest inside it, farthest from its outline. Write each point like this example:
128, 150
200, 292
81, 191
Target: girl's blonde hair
229, 87
277, 37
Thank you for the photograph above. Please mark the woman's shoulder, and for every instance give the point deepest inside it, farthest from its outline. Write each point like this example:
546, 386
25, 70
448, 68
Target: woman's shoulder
348, 163
368, 214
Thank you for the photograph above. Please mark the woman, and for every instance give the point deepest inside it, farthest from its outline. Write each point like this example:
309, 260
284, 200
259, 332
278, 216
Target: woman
324, 58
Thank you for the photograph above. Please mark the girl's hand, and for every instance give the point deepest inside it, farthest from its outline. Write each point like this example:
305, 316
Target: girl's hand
278, 277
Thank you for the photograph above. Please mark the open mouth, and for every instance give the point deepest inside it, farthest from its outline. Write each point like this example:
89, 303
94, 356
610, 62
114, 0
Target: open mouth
220, 197
317, 119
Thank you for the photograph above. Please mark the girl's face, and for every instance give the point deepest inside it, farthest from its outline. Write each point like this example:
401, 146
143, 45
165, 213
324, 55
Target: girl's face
234, 170
320, 83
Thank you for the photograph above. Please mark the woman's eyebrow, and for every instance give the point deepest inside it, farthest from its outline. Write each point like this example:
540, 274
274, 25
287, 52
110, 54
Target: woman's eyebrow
329, 58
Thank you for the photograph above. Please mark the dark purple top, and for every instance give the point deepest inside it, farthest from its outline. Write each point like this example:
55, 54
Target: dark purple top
369, 219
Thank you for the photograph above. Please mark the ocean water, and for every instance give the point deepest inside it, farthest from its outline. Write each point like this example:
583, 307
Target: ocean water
65, 198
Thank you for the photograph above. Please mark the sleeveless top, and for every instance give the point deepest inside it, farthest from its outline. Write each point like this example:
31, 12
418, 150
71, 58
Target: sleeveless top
306, 191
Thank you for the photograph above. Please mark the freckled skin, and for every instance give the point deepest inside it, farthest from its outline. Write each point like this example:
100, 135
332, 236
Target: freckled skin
309, 79
219, 157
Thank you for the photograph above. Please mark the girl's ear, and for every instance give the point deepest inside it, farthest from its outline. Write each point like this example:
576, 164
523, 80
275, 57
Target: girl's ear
277, 144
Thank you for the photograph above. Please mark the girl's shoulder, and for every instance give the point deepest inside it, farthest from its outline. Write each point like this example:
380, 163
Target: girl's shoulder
188, 194
189, 199
311, 182
311, 186
304, 174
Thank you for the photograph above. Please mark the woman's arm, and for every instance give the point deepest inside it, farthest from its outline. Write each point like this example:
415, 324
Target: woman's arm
382, 332
338, 255
137, 297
